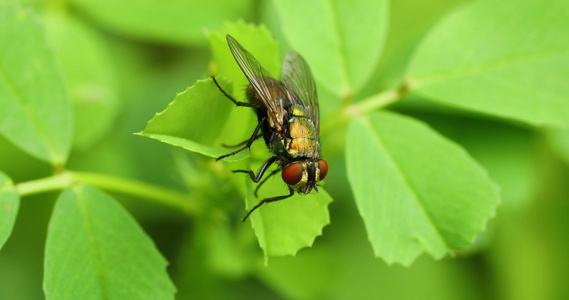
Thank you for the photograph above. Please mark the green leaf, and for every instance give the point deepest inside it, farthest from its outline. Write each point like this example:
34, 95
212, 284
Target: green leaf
34, 111
96, 249
196, 120
340, 39
487, 59
177, 22
286, 226
89, 77
9, 203
414, 189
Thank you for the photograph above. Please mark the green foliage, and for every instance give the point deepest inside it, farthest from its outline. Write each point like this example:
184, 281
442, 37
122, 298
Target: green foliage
171, 125
435, 197
477, 95
28, 120
290, 226
521, 64
94, 247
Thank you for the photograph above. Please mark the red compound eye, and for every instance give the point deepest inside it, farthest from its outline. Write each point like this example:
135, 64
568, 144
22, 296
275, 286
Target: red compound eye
292, 174
323, 168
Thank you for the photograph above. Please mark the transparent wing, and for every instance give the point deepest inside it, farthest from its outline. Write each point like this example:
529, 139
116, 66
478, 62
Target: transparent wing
256, 76
297, 77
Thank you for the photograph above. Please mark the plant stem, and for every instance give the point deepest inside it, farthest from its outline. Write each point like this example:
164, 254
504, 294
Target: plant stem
359, 108
47, 184
141, 189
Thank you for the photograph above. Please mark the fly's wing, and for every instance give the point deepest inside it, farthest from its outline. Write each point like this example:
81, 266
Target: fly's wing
297, 78
256, 76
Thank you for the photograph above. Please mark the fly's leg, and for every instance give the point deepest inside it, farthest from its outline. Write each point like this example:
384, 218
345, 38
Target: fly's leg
238, 103
256, 133
262, 170
273, 199
242, 143
257, 178
264, 180
249, 142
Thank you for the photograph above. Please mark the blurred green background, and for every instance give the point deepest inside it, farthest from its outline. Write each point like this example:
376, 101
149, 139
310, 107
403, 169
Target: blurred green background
123, 61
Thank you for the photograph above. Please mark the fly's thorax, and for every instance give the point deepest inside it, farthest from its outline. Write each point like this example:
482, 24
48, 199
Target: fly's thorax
302, 175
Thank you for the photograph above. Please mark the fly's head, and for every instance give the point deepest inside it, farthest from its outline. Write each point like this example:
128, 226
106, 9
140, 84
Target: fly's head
302, 175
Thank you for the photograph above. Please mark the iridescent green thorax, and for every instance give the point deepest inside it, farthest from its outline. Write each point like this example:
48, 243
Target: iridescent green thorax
300, 139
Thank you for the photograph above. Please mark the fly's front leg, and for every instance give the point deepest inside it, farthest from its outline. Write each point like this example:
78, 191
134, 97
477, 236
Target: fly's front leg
262, 169
265, 180
273, 199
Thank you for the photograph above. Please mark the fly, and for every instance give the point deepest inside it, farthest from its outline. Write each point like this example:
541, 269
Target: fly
288, 120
